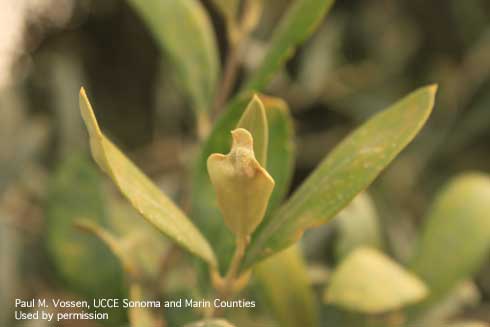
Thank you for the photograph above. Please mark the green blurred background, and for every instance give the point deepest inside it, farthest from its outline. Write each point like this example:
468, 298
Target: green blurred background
364, 56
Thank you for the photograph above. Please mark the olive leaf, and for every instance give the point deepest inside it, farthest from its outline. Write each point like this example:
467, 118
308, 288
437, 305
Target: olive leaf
345, 172
254, 120
184, 31
299, 22
369, 282
145, 197
283, 278
280, 162
242, 186
455, 240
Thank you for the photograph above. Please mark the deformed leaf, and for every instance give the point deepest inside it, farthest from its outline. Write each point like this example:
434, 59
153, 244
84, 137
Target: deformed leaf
280, 164
242, 186
369, 282
184, 31
297, 24
145, 197
283, 278
455, 240
254, 120
345, 172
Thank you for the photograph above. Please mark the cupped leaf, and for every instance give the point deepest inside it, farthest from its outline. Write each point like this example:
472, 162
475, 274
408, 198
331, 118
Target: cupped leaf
184, 31
145, 197
345, 172
75, 192
283, 278
297, 24
357, 225
456, 237
280, 162
242, 186
254, 120
369, 282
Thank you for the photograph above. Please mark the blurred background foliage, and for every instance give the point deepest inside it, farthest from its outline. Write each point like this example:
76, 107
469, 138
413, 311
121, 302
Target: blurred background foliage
363, 56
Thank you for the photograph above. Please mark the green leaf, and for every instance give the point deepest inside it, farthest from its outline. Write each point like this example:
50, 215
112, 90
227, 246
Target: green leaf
280, 164
357, 225
210, 323
280, 154
345, 172
145, 197
75, 192
254, 120
284, 280
369, 282
297, 24
455, 240
184, 31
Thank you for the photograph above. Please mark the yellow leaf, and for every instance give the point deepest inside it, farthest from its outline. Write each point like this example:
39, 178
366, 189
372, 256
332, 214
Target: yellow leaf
243, 187
369, 282
145, 197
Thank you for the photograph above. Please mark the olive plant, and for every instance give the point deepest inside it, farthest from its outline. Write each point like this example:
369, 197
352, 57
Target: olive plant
239, 225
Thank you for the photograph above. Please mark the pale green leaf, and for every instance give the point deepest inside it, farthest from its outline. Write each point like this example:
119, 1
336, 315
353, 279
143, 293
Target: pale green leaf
184, 31
369, 282
455, 240
254, 120
298, 23
345, 172
283, 278
357, 225
145, 197
280, 164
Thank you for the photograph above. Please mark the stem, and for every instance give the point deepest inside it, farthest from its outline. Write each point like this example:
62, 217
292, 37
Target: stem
229, 76
238, 34
226, 286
